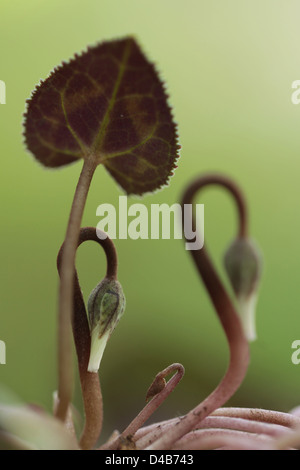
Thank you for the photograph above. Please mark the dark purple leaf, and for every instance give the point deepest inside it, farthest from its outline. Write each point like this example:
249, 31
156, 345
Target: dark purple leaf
107, 104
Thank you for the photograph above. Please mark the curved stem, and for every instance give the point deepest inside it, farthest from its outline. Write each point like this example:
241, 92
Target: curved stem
90, 234
65, 364
258, 414
279, 422
152, 406
216, 179
210, 439
90, 384
244, 425
238, 345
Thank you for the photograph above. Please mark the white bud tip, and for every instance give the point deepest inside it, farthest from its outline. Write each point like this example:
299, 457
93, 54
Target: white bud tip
97, 349
247, 310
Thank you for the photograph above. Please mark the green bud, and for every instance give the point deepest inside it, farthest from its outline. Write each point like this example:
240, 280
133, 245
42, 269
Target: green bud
243, 265
106, 305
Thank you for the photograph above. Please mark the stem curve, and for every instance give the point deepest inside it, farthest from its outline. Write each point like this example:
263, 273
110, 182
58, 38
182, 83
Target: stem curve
65, 306
90, 383
230, 320
155, 402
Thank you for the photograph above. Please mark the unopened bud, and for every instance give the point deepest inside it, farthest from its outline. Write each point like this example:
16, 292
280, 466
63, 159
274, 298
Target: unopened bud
106, 305
243, 265
156, 387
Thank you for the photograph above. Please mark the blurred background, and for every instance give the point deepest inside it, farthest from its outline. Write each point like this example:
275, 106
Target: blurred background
229, 67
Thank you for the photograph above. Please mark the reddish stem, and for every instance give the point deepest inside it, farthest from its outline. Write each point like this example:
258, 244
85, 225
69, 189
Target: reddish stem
210, 439
90, 384
152, 406
66, 294
238, 345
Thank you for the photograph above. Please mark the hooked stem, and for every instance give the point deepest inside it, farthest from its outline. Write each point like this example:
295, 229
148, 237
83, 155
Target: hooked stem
90, 383
152, 405
65, 307
230, 320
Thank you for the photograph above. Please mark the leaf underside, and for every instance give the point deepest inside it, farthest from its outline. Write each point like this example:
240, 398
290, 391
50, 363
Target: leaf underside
108, 104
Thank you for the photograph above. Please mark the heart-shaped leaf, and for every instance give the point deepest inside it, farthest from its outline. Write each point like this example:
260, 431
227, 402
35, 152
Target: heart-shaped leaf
107, 104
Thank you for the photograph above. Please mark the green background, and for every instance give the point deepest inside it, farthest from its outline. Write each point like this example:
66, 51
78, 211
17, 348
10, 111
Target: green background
229, 67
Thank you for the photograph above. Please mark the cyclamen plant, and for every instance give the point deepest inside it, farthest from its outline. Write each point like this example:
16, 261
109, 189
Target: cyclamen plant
108, 106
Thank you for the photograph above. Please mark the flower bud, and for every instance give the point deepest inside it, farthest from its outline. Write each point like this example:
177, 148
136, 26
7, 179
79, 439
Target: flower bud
106, 305
243, 265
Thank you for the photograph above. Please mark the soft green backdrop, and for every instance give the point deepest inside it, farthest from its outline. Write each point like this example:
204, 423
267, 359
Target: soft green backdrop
229, 67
